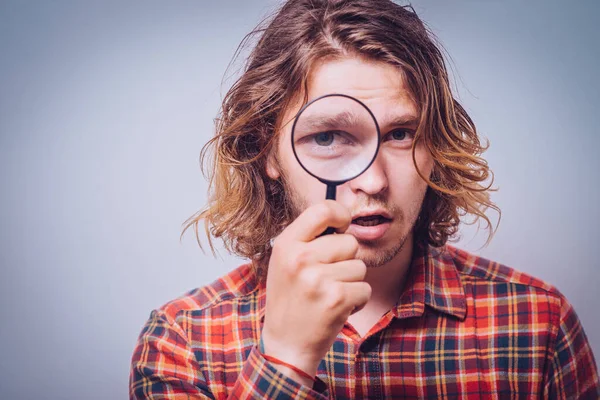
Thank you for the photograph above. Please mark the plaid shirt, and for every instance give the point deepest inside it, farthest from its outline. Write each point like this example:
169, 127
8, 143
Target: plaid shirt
463, 328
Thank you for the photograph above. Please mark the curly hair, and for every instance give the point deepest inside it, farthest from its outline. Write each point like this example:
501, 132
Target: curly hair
246, 208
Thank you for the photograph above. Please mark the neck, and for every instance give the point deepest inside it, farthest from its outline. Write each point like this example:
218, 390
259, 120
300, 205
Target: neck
387, 282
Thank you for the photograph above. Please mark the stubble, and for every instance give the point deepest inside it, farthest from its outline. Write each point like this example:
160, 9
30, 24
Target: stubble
373, 253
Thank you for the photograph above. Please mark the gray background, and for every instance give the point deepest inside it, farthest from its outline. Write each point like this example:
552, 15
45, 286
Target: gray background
104, 107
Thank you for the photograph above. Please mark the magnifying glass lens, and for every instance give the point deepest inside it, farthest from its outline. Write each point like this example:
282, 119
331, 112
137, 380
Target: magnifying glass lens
335, 138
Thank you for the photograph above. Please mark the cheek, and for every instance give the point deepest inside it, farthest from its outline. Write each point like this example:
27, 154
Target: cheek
303, 186
402, 172
424, 161
310, 190
407, 189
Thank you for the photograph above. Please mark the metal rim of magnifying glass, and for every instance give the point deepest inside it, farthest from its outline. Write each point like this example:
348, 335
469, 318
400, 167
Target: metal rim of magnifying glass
337, 182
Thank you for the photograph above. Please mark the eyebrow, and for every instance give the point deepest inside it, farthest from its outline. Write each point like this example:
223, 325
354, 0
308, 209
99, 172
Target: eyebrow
344, 118
348, 118
402, 120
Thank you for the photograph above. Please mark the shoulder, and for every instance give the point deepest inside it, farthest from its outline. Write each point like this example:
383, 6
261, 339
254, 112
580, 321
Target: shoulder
532, 311
239, 284
481, 269
480, 272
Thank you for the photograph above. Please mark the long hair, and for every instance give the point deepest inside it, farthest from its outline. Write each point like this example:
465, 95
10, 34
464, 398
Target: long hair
246, 208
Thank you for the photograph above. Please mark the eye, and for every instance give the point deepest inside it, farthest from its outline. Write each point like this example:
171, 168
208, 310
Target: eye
324, 138
398, 134
403, 136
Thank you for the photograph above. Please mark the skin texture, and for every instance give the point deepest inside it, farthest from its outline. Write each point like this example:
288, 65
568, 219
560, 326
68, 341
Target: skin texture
324, 282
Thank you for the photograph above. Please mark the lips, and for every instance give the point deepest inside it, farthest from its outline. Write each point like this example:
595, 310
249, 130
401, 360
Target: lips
370, 225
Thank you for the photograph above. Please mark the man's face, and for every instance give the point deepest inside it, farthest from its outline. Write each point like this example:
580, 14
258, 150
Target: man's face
386, 199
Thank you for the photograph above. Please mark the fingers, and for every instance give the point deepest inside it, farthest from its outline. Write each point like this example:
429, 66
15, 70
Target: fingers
344, 298
345, 271
333, 248
315, 219
358, 294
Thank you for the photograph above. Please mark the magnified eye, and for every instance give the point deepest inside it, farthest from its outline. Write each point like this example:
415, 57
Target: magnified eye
324, 138
399, 134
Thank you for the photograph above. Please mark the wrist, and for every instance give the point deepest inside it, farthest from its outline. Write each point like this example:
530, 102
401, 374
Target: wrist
291, 371
288, 360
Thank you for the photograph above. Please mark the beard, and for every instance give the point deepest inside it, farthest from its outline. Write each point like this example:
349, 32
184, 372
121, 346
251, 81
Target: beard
374, 253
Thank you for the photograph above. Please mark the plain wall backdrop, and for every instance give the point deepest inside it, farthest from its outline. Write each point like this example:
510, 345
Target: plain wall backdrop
104, 107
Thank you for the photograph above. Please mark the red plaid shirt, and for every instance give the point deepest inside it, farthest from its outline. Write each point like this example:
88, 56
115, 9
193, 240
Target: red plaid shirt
464, 328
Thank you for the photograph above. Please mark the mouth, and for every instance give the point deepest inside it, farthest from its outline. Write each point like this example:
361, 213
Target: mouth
370, 225
371, 217
371, 220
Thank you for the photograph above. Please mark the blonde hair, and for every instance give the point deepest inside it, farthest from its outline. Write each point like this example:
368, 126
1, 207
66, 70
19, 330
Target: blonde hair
246, 208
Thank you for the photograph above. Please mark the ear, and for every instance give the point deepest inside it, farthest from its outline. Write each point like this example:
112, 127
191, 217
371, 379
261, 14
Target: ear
272, 166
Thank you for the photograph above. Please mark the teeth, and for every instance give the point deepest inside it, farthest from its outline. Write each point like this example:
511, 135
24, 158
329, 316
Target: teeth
370, 217
368, 223
371, 220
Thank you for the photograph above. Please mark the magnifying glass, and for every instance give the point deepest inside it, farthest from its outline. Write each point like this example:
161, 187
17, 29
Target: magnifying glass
335, 138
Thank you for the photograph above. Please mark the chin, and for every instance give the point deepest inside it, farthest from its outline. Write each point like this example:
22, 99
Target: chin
374, 257
380, 252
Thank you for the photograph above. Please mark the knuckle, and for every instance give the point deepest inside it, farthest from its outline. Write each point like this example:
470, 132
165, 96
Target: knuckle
309, 277
287, 260
335, 297
310, 280
303, 258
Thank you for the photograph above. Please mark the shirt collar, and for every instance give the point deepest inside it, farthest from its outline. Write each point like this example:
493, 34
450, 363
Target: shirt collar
262, 300
433, 280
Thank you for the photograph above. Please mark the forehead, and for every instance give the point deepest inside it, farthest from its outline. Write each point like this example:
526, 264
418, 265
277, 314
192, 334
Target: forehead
379, 85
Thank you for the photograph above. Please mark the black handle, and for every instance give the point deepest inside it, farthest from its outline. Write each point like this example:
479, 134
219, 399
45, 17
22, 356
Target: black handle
331, 191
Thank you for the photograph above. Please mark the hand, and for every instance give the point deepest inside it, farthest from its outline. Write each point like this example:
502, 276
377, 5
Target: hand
313, 285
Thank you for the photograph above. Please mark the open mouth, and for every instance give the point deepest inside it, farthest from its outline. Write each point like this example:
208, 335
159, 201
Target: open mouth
370, 220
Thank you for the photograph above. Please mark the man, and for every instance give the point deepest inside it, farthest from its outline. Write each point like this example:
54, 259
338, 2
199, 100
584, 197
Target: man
384, 308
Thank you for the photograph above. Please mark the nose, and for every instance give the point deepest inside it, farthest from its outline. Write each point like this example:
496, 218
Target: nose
373, 181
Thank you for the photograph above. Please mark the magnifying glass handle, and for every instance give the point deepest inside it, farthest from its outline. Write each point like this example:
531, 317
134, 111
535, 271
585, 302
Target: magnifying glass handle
331, 190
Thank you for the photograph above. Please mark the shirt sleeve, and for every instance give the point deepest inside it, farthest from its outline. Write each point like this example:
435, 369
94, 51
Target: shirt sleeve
571, 372
164, 367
